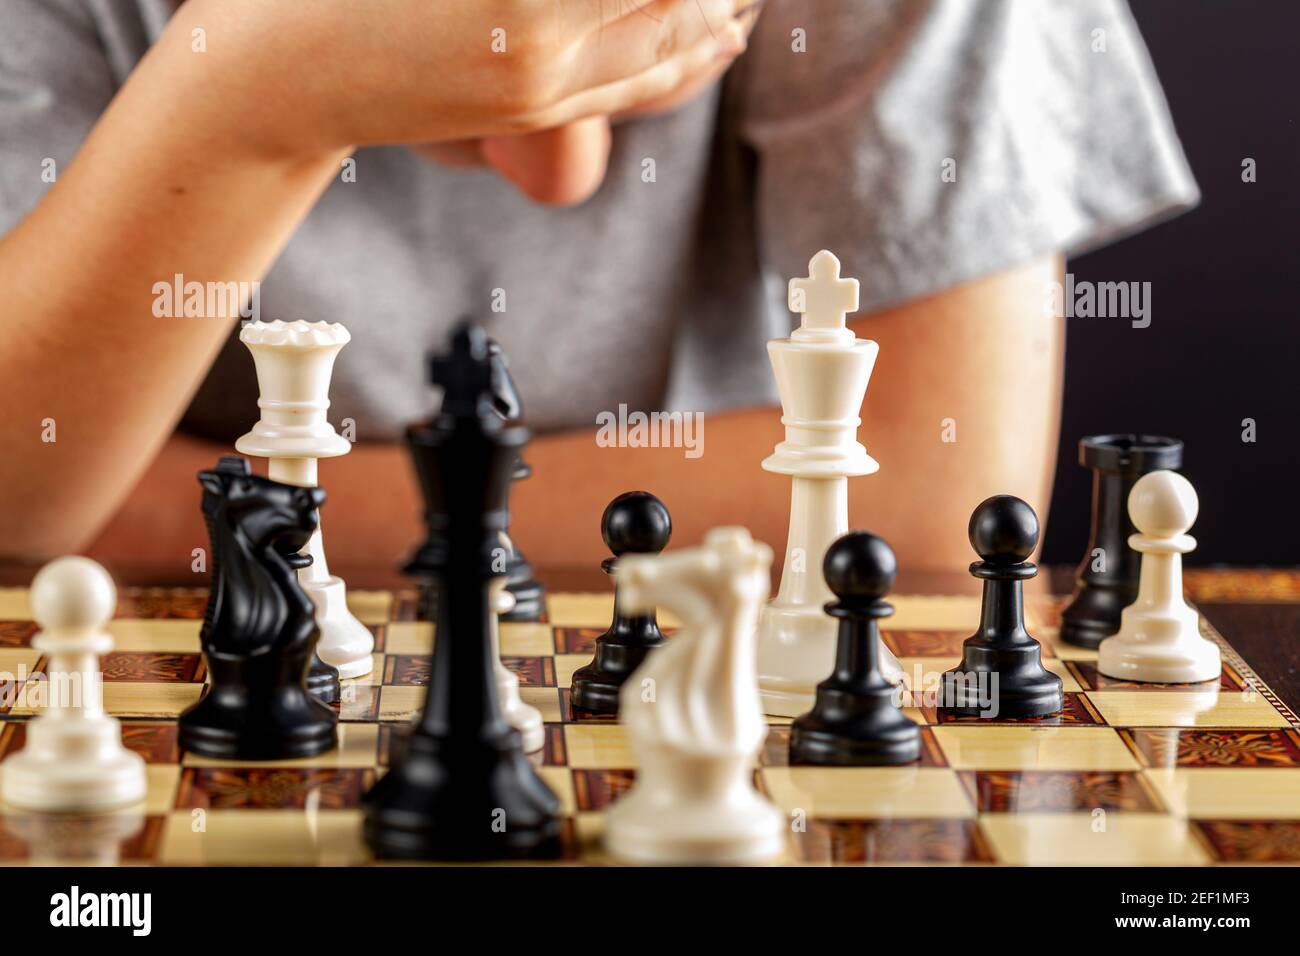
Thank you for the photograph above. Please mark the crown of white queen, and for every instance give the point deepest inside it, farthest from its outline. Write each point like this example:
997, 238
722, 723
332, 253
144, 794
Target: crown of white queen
295, 361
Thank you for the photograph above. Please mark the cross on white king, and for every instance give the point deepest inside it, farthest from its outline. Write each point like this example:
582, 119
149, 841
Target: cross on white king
824, 299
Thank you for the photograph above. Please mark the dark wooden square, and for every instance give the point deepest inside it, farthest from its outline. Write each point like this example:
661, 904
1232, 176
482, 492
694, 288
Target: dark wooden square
941, 840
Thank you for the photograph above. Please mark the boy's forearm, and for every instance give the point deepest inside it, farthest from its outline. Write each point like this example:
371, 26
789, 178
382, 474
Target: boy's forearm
91, 377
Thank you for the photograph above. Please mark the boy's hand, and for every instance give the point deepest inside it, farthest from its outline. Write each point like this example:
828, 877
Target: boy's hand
410, 71
566, 165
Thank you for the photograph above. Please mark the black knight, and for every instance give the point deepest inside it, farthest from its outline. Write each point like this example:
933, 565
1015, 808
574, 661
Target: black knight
259, 631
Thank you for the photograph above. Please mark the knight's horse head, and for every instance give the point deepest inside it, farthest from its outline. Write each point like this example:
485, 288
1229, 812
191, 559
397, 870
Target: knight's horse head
257, 527
706, 697
728, 572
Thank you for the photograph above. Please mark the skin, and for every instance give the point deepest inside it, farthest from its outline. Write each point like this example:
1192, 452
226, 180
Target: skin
161, 187
937, 358
215, 194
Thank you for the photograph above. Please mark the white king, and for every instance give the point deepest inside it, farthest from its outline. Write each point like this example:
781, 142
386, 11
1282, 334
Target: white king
294, 363
822, 371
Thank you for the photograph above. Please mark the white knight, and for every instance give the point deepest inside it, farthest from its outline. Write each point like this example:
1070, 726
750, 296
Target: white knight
692, 711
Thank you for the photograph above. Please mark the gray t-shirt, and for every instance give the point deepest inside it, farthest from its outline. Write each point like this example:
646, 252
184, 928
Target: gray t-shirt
842, 127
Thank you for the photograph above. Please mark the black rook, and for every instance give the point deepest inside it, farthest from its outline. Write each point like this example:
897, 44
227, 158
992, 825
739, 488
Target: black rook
1108, 575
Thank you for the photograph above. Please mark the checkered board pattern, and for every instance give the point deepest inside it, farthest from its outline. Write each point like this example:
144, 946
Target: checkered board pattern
1127, 774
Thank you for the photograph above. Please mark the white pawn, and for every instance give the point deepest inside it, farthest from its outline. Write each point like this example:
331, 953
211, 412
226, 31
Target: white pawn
74, 759
692, 711
525, 718
1159, 637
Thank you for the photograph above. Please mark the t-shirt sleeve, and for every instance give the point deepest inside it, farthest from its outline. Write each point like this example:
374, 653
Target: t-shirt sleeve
54, 83
928, 142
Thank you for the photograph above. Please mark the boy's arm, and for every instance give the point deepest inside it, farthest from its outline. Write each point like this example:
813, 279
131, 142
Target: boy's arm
159, 188
203, 165
982, 354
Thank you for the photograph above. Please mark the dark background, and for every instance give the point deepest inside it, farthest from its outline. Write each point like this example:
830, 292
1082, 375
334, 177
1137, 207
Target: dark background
1224, 339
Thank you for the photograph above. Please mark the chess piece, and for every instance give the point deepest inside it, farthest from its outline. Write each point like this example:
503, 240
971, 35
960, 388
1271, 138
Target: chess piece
856, 720
259, 632
528, 593
636, 522
1159, 637
822, 371
525, 718
692, 712
462, 787
1001, 672
74, 760
294, 363
1108, 575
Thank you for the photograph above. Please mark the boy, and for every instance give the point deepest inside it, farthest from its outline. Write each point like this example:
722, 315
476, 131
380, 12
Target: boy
950, 152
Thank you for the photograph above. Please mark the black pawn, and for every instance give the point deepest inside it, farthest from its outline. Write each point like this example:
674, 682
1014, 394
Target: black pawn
636, 522
1108, 574
259, 631
461, 787
528, 592
856, 720
1001, 674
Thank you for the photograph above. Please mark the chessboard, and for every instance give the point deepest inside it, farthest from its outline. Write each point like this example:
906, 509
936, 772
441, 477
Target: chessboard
1127, 774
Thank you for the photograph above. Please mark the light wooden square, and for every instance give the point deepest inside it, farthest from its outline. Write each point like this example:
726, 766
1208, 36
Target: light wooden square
161, 636
591, 610
373, 678
400, 702
560, 780
1230, 792
17, 663
566, 664
546, 700
526, 640
14, 605
1212, 707
371, 607
915, 612
162, 779
408, 637
1074, 839
598, 747
580, 610
126, 699
264, 837
868, 792
970, 747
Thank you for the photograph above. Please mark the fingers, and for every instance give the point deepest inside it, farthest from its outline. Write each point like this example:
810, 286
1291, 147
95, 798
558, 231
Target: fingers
651, 32
655, 82
693, 84
684, 92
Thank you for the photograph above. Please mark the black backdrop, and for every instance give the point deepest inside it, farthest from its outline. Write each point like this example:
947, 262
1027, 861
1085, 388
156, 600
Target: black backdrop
1224, 339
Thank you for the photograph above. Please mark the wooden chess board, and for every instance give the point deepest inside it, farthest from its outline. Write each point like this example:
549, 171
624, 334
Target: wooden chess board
1127, 774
